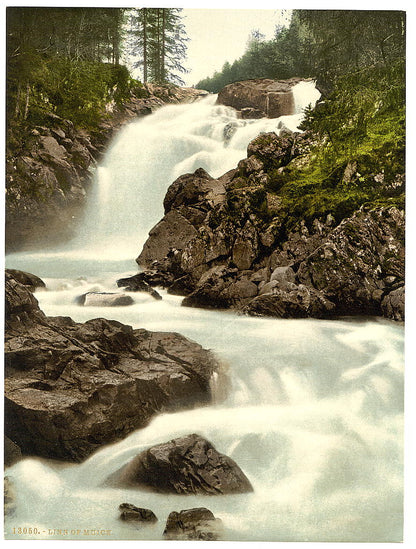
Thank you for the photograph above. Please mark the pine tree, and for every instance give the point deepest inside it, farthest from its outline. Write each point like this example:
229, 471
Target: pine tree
158, 42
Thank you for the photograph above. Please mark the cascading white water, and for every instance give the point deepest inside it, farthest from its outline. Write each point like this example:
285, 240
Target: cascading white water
313, 414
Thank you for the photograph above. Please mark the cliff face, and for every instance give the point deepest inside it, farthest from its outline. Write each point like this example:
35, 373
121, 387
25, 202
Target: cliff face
226, 243
49, 173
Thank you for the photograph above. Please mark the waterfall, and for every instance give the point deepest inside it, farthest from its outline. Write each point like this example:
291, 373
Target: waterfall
312, 410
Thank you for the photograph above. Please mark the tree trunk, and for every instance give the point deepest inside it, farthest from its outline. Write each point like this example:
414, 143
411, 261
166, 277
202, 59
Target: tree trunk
144, 45
27, 100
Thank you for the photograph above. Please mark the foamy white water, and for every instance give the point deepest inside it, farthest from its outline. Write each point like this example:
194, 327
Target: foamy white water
313, 409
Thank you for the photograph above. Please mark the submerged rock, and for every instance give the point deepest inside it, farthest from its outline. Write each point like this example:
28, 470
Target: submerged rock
186, 465
71, 387
131, 513
104, 299
193, 524
137, 283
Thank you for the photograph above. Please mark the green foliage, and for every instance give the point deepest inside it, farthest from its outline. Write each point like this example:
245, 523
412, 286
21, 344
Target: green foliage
158, 42
286, 55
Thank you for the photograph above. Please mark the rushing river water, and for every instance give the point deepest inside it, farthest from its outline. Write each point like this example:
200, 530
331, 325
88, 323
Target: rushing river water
313, 409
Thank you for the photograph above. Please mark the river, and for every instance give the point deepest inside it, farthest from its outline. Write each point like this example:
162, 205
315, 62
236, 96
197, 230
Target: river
313, 412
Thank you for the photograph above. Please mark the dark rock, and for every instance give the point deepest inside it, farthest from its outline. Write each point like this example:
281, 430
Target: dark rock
272, 97
27, 279
186, 465
291, 302
210, 290
188, 189
71, 387
182, 286
20, 305
174, 231
393, 304
228, 131
104, 299
12, 452
350, 264
137, 283
193, 524
251, 113
131, 513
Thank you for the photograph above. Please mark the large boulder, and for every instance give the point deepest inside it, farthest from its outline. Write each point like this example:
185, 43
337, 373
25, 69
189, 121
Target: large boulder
27, 279
193, 524
71, 387
187, 203
186, 465
274, 98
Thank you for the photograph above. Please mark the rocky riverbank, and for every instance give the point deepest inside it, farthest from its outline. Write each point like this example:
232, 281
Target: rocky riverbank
232, 243
70, 387
48, 174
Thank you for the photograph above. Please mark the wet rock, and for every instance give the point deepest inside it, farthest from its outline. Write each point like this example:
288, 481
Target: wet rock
131, 513
104, 299
251, 113
186, 465
210, 290
291, 302
12, 452
350, 264
71, 387
173, 231
393, 304
228, 131
20, 304
193, 524
27, 279
137, 283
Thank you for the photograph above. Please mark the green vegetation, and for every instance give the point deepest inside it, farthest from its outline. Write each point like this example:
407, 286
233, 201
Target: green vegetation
66, 61
157, 40
63, 61
286, 55
357, 129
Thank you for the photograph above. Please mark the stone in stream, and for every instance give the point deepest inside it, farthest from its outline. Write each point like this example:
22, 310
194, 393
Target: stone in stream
185, 465
137, 283
104, 299
193, 524
131, 513
72, 387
